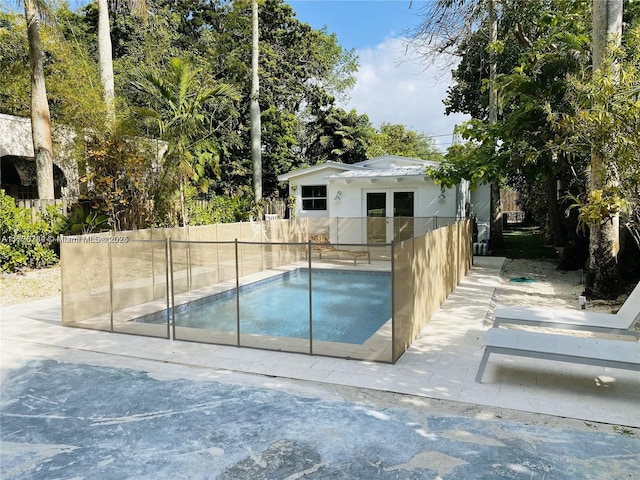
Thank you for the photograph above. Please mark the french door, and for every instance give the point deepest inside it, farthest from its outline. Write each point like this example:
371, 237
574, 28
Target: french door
389, 215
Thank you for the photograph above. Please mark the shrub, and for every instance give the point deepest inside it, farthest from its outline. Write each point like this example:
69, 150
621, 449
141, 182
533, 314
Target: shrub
24, 243
219, 210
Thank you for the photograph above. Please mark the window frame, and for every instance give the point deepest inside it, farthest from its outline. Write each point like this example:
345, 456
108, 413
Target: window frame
316, 200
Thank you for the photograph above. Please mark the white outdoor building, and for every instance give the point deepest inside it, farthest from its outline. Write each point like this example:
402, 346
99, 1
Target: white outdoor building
394, 194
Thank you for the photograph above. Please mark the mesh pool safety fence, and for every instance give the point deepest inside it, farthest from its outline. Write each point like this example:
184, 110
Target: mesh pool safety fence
142, 282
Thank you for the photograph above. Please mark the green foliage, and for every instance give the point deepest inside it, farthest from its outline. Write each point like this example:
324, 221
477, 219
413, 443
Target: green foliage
541, 44
181, 99
119, 180
398, 140
475, 161
339, 136
215, 36
605, 122
73, 81
598, 207
14, 65
24, 243
219, 209
80, 223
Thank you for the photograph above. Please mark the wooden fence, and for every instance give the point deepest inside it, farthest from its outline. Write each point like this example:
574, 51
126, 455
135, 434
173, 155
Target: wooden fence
36, 206
40, 206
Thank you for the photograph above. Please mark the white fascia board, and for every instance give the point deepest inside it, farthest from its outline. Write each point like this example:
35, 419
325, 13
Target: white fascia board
305, 171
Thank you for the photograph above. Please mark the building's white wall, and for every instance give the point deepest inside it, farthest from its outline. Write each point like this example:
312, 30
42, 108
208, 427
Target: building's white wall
347, 198
312, 178
481, 201
352, 198
463, 195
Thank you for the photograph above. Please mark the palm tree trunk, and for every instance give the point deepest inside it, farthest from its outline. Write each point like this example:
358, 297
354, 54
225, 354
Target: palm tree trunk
40, 118
496, 207
553, 210
256, 141
106, 60
604, 239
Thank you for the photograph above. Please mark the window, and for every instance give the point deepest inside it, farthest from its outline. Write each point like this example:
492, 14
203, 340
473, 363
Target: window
314, 197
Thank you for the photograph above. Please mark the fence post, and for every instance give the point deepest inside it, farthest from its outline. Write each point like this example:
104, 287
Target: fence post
173, 290
186, 227
237, 295
310, 301
393, 306
110, 256
166, 273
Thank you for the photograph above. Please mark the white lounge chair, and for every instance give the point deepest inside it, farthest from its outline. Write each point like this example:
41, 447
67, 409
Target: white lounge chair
619, 323
561, 348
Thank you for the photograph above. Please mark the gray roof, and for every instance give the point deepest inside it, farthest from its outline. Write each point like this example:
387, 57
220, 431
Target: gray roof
391, 171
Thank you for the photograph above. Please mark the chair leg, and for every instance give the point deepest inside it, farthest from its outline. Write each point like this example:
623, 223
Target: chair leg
483, 365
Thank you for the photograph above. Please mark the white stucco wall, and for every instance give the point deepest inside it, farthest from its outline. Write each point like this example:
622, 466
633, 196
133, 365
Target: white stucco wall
351, 203
347, 195
352, 198
312, 178
481, 201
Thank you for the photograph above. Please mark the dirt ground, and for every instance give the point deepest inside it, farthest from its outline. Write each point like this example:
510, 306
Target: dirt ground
29, 285
538, 283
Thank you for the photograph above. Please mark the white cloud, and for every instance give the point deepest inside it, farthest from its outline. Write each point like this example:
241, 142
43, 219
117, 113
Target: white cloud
394, 87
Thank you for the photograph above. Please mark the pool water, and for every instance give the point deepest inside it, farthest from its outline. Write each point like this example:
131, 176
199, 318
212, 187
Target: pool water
347, 306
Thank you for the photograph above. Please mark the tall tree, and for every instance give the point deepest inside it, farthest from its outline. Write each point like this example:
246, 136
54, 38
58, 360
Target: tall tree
398, 140
604, 242
105, 56
535, 58
256, 124
446, 24
338, 136
40, 117
496, 210
105, 51
181, 99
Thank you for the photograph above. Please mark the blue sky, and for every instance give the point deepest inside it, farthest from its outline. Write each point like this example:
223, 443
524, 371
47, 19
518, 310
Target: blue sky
359, 23
393, 86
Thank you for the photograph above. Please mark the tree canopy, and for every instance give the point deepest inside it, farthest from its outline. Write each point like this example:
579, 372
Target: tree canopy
554, 112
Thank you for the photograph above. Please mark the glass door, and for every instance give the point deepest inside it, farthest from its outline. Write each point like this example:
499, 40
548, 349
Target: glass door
403, 209
376, 217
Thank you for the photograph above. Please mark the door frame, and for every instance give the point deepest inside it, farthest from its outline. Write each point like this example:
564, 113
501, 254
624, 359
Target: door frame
389, 209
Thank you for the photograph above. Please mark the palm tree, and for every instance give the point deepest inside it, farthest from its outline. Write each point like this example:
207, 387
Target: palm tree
105, 51
604, 240
180, 100
40, 117
254, 109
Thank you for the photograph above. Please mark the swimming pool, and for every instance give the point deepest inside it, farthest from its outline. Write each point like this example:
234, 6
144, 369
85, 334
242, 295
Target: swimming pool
347, 306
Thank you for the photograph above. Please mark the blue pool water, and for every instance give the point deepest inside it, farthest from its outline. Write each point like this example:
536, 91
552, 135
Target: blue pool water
347, 306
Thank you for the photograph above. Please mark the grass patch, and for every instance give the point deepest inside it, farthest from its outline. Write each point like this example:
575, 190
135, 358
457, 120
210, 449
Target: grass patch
526, 242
